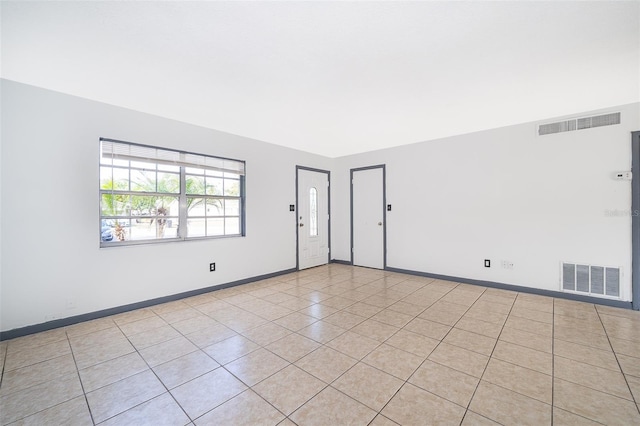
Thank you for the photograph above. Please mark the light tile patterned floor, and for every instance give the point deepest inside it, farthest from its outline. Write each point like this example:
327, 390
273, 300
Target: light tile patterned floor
333, 345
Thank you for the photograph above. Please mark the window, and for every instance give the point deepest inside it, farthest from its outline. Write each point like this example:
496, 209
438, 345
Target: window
150, 194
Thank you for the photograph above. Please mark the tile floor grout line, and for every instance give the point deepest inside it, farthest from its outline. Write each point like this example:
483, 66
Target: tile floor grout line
249, 388
347, 330
444, 337
381, 343
28, 366
362, 359
31, 350
344, 309
491, 355
42, 383
84, 394
327, 385
553, 363
220, 365
363, 281
5, 348
633, 398
153, 372
433, 350
271, 375
508, 362
67, 339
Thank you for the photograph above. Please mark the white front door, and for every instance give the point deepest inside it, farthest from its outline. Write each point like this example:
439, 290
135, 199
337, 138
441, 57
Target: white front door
313, 218
368, 215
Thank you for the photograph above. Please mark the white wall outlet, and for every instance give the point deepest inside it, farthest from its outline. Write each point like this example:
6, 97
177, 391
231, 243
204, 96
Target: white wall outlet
507, 264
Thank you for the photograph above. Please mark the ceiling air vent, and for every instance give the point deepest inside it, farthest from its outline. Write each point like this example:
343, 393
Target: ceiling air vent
589, 279
579, 124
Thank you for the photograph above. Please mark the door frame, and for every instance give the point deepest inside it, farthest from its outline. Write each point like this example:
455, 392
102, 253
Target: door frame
384, 209
328, 173
635, 221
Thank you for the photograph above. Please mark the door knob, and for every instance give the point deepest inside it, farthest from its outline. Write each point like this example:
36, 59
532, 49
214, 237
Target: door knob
301, 225
379, 223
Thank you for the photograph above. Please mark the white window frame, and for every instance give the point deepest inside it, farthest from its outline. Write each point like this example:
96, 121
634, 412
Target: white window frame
119, 155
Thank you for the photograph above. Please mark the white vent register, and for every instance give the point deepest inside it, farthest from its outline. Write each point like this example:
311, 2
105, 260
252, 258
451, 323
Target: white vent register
590, 279
579, 124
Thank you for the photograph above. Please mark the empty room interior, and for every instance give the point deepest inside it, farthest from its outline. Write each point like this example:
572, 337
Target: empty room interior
320, 213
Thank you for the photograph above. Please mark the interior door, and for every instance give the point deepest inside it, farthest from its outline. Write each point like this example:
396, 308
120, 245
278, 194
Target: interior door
313, 218
368, 217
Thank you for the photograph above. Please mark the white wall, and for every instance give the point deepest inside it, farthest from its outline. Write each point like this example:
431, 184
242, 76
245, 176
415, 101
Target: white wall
503, 194
50, 242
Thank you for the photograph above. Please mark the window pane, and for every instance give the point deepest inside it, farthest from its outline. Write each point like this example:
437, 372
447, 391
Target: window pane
215, 227
106, 178
195, 185
115, 230
232, 208
171, 227
215, 207
167, 206
143, 181
232, 226
114, 205
121, 179
196, 227
313, 212
143, 229
149, 228
151, 205
162, 227
231, 187
122, 229
214, 186
214, 173
143, 205
143, 221
195, 206
107, 234
169, 182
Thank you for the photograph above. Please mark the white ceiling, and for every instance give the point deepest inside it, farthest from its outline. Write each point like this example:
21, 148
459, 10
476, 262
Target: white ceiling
333, 78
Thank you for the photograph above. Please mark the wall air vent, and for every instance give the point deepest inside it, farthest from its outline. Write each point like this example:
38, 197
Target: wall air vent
560, 126
579, 124
590, 279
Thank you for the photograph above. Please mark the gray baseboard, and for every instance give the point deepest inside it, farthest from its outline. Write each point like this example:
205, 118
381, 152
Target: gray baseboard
521, 289
63, 322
